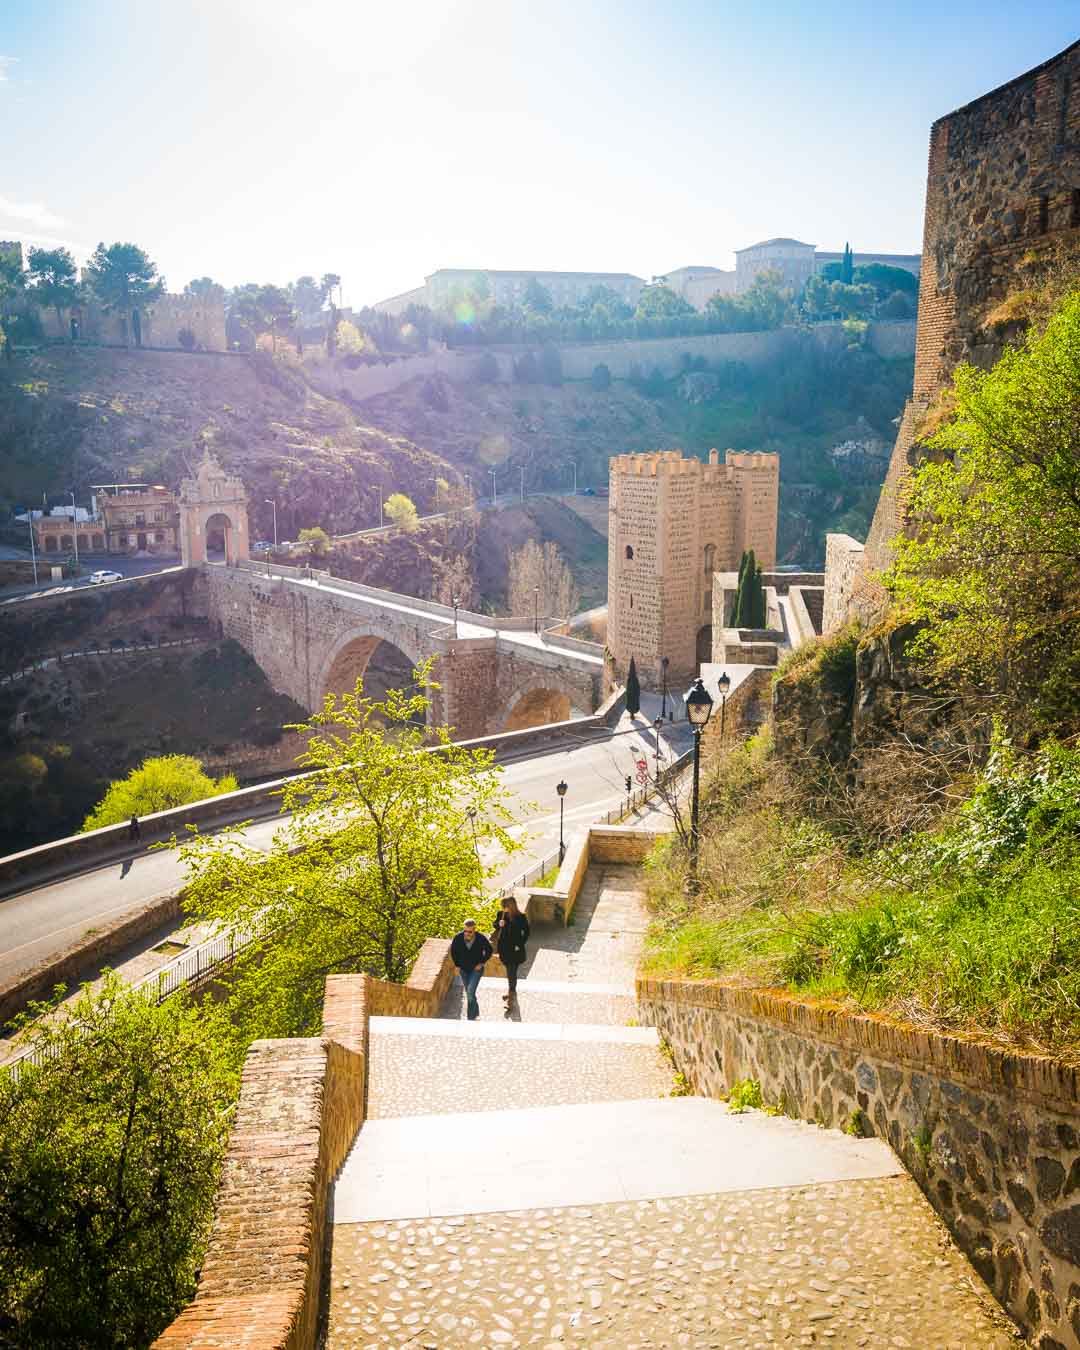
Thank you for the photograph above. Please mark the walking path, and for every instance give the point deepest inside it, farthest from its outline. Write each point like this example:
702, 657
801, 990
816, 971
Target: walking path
529, 1180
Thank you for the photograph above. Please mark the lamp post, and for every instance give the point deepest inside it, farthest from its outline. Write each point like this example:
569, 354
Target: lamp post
522, 488
455, 601
574, 467
656, 727
663, 697
272, 503
468, 490
699, 706
382, 518
560, 788
75, 526
536, 609
494, 490
723, 684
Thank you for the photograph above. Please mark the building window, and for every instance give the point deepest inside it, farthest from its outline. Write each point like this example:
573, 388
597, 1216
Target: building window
99, 542
631, 599
710, 559
159, 536
629, 551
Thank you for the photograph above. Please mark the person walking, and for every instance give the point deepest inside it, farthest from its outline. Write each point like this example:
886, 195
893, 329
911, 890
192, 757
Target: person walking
510, 936
134, 830
468, 951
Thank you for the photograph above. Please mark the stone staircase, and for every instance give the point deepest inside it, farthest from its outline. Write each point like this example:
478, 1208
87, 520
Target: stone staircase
529, 1179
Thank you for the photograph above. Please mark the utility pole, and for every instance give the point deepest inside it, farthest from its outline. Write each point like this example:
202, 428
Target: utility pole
522, 487
381, 518
494, 492
33, 554
574, 467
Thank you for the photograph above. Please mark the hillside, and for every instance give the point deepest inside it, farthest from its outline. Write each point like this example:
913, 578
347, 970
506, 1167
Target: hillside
80, 416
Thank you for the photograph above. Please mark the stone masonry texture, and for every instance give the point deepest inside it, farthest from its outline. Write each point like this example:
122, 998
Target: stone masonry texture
992, 1138
1002, 192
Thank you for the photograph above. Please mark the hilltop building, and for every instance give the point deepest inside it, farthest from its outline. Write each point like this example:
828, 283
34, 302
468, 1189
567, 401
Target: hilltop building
1002, 202
697, 285
508, 287
672, 523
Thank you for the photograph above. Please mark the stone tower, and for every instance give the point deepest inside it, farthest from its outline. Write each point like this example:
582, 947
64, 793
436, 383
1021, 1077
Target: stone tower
213, 505
672, 523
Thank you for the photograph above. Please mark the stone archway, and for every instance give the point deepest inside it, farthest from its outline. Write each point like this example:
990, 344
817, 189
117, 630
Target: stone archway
213, 500
536, 705
381, 662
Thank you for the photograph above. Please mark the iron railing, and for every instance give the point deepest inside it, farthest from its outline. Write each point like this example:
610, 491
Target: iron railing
117, 649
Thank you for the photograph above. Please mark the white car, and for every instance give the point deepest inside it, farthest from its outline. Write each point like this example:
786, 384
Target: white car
100, 578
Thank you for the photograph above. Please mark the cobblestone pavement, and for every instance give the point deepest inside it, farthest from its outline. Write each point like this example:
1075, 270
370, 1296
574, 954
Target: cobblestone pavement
861, 1263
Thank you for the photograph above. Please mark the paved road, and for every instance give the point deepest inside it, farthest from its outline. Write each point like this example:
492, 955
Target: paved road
129, 567
43, 921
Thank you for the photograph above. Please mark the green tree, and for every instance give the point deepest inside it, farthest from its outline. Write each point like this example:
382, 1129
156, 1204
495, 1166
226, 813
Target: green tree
886, 280
205, 288
537, 297
401, 510
817, 297
124, 280
110, 1153
382, 848
277, 310
53, 279
317, 541
853, 302
330, 283
158, 784
661, 302
847, 266
307, 296
633, 690
750, 596
992, 557
766, 301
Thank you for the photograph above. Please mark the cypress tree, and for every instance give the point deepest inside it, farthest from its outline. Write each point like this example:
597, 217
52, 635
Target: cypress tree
633, 690
736, 613
847, 267
759, 599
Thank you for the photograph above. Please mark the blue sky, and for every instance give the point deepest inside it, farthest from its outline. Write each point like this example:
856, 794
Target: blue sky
258, 141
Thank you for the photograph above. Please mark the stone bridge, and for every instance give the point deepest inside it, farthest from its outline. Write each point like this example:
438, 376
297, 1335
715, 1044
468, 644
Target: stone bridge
313, 634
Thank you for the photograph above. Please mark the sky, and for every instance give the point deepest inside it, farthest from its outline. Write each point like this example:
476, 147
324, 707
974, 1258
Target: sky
261, 141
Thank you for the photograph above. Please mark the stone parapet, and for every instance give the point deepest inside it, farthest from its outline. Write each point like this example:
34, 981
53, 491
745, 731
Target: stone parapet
991, 1136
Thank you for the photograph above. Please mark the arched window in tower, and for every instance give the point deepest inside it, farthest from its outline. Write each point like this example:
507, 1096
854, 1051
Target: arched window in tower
629, 551
710, 559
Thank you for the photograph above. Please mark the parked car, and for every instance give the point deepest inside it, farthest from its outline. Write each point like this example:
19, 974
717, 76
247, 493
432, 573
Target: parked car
100, 578
262, 546
588, 492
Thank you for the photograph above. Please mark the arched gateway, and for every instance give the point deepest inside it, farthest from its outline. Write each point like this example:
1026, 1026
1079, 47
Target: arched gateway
213, 515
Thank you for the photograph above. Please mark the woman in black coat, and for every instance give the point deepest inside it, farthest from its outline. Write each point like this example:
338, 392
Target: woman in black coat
509, 938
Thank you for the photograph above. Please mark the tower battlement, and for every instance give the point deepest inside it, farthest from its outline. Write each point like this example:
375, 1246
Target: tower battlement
673, 521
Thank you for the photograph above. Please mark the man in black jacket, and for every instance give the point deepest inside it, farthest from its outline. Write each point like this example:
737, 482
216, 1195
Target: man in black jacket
468, 951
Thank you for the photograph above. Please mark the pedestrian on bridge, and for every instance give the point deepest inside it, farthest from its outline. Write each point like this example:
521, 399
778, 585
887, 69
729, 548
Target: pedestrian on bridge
468, 951
509, 938
134, 830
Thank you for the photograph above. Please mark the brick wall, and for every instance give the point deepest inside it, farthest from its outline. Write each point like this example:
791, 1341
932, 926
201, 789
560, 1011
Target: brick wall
992, 1138
301, 1104
843, 558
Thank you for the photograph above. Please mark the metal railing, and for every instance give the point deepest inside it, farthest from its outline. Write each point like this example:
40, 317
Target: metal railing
197, 965
120, 648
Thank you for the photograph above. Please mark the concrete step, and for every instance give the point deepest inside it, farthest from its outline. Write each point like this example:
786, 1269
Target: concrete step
547, 1001
437, 1066
587, 1154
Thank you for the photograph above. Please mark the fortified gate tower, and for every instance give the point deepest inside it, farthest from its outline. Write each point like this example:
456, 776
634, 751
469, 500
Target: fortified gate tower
672, 522
213, 515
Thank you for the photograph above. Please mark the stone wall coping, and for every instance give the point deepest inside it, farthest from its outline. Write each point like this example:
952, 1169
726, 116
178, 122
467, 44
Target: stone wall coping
1038, 1078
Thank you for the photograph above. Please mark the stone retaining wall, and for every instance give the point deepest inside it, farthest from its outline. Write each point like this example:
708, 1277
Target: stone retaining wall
992, 1138
301, 1104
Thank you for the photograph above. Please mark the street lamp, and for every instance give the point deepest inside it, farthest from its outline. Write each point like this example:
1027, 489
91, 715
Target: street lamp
272, 503
723, 684
699, 706
494, 490
560, 788
75, 527
536, 609
574, 467
656, 727
455, 601
663, 697
522, 487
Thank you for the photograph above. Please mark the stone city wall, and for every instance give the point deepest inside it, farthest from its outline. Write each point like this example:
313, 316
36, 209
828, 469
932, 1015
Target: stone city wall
843, 559
993, 1138
888, 339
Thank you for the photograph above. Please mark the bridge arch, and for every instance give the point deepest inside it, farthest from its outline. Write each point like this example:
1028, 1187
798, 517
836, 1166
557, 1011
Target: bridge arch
542, 700
382, 660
